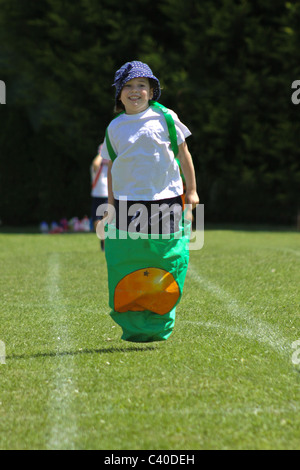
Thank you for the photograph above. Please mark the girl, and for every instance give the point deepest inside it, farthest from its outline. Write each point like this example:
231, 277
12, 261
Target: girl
143, 172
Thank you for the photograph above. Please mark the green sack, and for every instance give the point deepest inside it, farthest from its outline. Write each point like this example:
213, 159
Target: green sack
145, 279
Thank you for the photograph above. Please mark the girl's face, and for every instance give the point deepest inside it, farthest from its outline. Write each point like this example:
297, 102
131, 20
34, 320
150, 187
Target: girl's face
135, 95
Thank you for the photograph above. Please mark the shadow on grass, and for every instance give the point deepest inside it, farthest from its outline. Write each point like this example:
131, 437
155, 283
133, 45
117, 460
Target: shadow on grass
81, 351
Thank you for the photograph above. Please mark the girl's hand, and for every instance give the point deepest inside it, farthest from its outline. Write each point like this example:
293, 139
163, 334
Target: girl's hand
192, 198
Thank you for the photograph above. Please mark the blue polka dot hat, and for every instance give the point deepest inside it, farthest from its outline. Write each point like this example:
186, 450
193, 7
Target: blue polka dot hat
131, 70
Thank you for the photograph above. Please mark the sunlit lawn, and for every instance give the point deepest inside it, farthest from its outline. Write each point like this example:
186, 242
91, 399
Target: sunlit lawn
224, 380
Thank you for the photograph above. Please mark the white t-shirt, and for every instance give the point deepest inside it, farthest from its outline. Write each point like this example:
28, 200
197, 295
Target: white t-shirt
145, 168
100, 188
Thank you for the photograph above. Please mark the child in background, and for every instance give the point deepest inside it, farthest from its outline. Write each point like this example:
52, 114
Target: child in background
99, 192
146, 174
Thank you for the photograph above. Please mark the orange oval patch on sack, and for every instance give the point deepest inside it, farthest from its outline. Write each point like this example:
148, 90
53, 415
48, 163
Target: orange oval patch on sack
151, 289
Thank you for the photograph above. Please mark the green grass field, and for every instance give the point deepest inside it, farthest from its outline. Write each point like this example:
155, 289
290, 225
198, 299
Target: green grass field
226, 378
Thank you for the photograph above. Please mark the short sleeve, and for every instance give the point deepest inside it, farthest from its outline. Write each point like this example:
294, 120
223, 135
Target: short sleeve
104, 151
181, 129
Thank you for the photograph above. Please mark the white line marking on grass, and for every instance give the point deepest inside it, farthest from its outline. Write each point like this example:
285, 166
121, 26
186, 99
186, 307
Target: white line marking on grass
248, 324
62, 420
289, 250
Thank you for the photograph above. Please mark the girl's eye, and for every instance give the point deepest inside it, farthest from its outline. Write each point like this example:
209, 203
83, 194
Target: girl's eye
140, 85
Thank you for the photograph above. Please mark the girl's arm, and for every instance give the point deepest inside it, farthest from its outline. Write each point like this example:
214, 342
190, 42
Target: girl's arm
109, 184
97, 162
187, 166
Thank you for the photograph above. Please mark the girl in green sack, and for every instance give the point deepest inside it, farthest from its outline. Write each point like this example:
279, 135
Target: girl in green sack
147, 249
